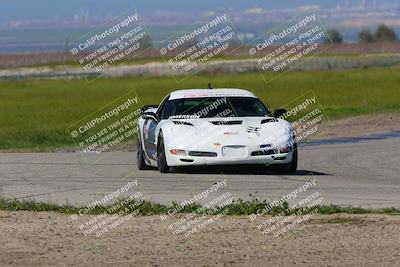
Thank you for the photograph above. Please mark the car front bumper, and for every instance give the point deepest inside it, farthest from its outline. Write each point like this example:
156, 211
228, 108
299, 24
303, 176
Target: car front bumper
278, 158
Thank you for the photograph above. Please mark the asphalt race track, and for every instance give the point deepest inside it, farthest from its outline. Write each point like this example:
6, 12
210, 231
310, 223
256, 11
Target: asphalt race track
357, 172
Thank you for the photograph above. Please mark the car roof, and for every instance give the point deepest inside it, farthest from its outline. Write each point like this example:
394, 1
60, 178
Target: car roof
219, 92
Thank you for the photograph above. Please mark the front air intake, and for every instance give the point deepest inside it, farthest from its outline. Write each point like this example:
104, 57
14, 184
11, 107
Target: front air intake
269, 120
182, 123
263, 152
226, 122
202, 154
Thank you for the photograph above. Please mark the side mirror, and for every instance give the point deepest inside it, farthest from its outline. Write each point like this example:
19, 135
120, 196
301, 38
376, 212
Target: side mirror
279, 112
150, 115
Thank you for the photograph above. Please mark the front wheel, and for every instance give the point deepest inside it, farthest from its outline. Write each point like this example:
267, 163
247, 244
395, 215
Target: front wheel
291, 167
161, 157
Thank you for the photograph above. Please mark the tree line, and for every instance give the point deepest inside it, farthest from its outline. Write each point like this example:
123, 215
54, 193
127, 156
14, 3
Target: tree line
382, 34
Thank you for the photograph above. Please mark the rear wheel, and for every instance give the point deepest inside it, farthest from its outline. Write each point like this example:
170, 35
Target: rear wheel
141, 163
161, 157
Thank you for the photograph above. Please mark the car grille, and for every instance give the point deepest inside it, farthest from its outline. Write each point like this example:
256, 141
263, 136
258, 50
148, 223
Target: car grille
202, 154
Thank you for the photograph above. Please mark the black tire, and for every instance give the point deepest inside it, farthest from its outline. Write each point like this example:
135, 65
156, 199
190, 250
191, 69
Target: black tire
141, 163
161, 158
292, 166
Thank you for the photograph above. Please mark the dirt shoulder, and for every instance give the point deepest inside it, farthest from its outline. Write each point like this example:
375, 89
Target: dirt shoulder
48, 239
359, 125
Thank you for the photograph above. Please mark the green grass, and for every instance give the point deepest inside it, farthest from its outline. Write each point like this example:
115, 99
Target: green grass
238, 207
35, 114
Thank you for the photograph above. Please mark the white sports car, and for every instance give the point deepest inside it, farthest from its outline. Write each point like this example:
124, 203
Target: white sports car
214, 127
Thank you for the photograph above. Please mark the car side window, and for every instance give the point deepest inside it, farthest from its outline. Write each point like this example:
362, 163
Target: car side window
162, 107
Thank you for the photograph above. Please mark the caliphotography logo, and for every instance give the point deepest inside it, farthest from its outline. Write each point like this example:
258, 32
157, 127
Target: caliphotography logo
289, 211
290, 44
187, 51
110, 127
206, 208
122, 204
120, 40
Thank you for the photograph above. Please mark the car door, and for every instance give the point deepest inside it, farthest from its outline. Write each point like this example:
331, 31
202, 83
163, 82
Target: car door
149, 132
149, 129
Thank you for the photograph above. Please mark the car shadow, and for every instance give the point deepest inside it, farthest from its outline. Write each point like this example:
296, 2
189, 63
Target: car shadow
240, 170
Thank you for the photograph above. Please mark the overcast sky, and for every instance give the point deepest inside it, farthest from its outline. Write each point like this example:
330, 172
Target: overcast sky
22, 9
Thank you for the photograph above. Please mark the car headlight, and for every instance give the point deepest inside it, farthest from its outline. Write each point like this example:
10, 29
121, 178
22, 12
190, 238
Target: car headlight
285, 149
285, 142
178, 152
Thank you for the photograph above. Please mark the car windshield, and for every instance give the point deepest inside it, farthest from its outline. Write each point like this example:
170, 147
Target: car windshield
211, 107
